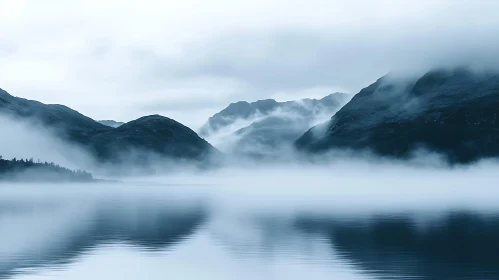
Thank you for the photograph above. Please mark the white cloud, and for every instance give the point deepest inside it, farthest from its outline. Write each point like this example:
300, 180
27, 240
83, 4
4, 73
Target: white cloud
107, 58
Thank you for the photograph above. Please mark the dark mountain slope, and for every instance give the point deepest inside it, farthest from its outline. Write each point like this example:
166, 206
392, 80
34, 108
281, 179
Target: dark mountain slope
155, 134
69, 123
148, 135
450, 112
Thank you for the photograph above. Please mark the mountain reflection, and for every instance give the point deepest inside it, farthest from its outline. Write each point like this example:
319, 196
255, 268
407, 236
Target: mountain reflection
67, 234
460, 245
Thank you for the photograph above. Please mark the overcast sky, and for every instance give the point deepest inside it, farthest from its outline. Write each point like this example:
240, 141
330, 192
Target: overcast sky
187, 59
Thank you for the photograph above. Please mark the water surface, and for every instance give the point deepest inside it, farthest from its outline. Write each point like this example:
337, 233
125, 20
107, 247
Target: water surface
205, 232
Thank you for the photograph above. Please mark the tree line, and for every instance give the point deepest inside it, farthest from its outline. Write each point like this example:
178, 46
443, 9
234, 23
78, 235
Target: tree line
29, 170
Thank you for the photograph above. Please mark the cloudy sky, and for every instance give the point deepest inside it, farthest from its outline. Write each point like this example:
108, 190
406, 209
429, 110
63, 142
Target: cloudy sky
118, 59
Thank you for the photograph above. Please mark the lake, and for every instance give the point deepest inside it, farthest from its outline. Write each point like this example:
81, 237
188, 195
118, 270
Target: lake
384, 225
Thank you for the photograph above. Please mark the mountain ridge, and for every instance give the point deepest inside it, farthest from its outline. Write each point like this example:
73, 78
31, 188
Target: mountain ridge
159, 135
267, 128
450, 112
245, 109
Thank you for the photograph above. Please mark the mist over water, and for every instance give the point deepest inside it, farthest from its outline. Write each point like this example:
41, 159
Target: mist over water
340, 215
28, 139
285, 182
343, 215
269, 222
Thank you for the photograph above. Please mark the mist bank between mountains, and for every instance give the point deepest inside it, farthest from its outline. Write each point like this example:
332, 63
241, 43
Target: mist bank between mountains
442, 118
56, 133
266, 128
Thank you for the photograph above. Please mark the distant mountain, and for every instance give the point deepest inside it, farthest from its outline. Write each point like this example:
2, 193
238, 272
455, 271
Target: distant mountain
452, 112
111, 123
148, 136
28, 170
265, 127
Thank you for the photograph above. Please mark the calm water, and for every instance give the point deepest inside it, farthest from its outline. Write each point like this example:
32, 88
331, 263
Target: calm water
143, 232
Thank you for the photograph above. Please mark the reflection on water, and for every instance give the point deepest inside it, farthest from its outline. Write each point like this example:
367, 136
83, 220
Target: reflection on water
131, 237
459, 245
48, 233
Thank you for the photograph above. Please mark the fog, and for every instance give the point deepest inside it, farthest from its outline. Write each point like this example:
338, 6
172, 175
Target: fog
29, 139
271, 133
26, 139
86, 229
259, 209
240, 218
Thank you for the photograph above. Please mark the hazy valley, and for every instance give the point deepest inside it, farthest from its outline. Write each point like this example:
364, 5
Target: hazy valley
243, 140
448, 113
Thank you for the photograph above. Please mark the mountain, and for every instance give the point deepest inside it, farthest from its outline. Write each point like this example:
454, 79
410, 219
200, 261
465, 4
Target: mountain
147, 136
451, 112
68, 123
111, 123
152, 134
241, 110
265, 127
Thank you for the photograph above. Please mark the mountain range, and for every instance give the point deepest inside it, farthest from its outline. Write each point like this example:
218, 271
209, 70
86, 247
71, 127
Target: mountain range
133, 141
267, 127
450, 112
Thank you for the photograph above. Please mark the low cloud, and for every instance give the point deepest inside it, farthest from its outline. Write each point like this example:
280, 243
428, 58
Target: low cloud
27, 140
104, 62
